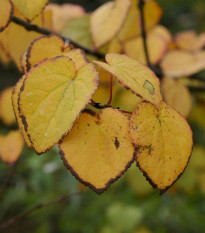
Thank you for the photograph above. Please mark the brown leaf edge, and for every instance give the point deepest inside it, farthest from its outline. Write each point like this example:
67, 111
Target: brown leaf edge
120, 81
123, 22
15, 113
75, 174
154, 185
10, 17
24, 121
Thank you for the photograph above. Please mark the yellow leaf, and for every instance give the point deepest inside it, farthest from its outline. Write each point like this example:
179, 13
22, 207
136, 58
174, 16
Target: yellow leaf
133, 75
6, 7
163, 141
98, 149
107, 20
11, 147
163, 32
51, 46
78, 29
15, 97
51, 98
44, 47
178, 63
63, 13
132, 25
30, 9
189, 40
156, 46
6, 110
177, 95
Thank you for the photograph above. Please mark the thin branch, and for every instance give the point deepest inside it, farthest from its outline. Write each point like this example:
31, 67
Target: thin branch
126, 112
143, 32
37, 207
7, 181
110, 99
31, 27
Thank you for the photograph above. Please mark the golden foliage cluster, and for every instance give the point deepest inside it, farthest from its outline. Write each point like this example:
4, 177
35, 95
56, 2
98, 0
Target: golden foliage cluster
51, 100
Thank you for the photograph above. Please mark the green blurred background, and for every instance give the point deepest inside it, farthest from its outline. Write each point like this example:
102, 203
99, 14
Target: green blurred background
128, 206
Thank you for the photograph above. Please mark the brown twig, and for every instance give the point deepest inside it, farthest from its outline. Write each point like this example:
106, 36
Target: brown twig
37, 207
31, 27
7, 181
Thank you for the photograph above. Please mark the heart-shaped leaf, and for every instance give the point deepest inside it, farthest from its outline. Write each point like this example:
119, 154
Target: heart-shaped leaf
51, 98
163, 142
98, 149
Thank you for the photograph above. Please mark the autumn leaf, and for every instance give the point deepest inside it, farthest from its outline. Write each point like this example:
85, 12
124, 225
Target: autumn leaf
107, 20
178, 63
6, 7
156, 46
177, 95
52, 46
49, 110
98, 150
30, 9
15, 96
63, 13
6, 110
11, 147
189, 40
163, 142
133, 75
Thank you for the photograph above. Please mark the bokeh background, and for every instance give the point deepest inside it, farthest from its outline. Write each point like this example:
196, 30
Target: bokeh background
128, 206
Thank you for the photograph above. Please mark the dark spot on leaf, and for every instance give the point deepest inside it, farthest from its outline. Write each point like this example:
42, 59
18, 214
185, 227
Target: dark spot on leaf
117, 143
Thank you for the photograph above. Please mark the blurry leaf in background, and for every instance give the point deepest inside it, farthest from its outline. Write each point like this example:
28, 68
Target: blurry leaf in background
163, 142
124, 218
189, 40
53, 108
29, 9
177, 95
123, 67
63, 13
17, 45
6, 109
78, 30
98, 149
11, 146
178, 63
132, 25
105, 21
157, 47
6, 7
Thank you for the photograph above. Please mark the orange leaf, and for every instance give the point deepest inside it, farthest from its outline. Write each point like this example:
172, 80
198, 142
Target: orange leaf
98, 150
11, 146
